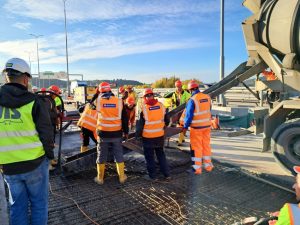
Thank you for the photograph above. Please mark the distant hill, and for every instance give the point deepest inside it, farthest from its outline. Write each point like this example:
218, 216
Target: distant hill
63, 84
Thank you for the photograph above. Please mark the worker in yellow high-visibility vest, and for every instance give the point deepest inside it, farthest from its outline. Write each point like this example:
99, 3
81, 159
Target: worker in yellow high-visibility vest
26, 144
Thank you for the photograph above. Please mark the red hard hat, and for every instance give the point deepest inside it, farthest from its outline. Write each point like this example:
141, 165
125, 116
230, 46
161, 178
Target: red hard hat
43, 89
147, 91
192, 84
297, 169
130, 100
104, 87
54, 89
121, 89
178, 83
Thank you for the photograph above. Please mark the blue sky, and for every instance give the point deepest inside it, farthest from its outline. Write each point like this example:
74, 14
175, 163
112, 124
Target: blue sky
130, 39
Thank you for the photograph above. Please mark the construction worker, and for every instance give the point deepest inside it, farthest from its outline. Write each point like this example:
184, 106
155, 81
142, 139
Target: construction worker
57, 100
130, 110
87, 124
111, 125
131, 93
289, 214
179, 97
25, 147
123, 93
151, 127
58, 106
198, 117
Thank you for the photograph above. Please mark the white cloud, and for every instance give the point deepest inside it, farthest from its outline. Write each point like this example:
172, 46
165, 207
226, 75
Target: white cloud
85, 45
78, 10
22, 26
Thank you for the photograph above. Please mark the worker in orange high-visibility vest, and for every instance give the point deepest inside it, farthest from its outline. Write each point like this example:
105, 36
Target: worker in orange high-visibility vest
198, 118
88, 124
150, 126
112, 126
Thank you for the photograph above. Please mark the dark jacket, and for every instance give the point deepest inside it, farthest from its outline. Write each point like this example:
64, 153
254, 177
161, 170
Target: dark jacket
14, 96
124, 119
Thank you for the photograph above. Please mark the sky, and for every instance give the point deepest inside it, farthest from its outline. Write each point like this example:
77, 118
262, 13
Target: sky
142, 40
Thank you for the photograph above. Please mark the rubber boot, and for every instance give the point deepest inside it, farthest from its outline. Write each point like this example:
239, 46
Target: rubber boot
83, 148
180, 139
120, 170
100, 176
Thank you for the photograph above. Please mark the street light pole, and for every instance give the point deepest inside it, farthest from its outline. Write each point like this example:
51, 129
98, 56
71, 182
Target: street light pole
37, 53
221, 96
67, 56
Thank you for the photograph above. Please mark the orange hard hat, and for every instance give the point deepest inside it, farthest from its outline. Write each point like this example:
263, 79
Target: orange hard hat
121, 89
43, 89
104, 87
130, 100
54, 89
178, 83
192, 84
147, 91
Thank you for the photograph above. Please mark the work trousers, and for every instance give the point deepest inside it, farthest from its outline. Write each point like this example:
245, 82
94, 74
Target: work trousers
28, 187
149, 150
86, 135
200, 148
109, 144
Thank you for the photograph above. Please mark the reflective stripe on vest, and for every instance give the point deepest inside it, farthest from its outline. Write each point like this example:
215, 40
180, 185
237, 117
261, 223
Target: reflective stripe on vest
57, 101
19, 140
201, 117
294, 211
154, 120
88, 118
109, 113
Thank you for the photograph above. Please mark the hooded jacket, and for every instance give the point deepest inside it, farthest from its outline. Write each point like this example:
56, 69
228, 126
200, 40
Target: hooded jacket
14, 95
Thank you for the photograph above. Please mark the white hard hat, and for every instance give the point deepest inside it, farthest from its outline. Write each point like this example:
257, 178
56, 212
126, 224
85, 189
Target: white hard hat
18, 65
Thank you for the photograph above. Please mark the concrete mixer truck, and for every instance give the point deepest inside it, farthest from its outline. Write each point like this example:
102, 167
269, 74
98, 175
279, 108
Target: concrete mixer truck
272, 37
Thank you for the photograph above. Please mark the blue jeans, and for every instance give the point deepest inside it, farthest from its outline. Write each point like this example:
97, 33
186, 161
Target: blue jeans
29, 187
150, 161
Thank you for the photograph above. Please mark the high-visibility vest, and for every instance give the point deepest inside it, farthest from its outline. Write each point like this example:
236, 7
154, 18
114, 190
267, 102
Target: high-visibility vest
88, 119
57, 101
289, 215
202, 115
154, 120
184, 97
19, 139
109, 113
